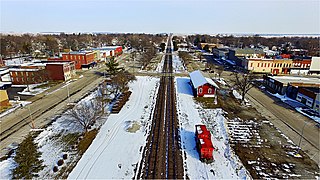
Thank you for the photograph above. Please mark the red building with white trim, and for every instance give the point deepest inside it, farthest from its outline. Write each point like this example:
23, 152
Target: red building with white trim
202, 87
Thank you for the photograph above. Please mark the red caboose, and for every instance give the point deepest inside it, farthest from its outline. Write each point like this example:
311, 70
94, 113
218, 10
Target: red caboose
204, 144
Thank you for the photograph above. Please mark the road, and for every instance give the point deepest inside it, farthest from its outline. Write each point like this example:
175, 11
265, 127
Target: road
15, 126
290, 122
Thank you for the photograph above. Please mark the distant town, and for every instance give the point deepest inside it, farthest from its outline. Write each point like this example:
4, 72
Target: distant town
159, 106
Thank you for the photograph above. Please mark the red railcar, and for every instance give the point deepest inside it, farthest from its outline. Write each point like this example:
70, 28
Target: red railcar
204, 144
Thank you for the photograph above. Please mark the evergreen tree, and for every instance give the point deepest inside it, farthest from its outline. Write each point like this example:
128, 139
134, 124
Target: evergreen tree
113, 67
27, 158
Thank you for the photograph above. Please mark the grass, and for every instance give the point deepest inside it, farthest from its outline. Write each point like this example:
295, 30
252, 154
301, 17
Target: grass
49, 84
230, 105
70, 140
86, 141
4, 108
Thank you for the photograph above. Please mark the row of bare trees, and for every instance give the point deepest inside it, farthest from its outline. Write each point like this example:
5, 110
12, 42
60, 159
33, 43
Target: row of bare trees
13, 45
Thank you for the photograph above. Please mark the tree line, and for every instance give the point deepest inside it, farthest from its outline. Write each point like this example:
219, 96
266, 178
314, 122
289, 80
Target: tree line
13, 45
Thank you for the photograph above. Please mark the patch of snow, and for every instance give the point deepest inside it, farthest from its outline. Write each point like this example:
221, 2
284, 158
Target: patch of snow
33, 90
114, 153
6, 168
315, 118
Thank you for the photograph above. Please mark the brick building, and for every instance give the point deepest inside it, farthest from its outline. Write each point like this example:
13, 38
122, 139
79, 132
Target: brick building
81, 59
28, 75
59, 70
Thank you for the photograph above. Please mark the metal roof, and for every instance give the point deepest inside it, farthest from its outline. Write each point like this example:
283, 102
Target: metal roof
198, 79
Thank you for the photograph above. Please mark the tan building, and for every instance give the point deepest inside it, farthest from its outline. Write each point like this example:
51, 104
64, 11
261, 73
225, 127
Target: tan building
4, 100
272, 66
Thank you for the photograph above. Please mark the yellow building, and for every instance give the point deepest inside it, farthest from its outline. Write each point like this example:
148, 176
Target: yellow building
4, 100
272, 66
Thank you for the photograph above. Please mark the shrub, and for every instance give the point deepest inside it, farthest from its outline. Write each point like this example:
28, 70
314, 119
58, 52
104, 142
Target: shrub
60, 162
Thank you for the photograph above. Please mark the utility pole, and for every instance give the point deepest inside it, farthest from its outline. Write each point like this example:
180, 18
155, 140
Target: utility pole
31, 118
68, 92
301, 134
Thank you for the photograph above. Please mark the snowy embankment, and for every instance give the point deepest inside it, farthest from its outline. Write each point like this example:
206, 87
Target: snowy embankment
226, 164
118, 146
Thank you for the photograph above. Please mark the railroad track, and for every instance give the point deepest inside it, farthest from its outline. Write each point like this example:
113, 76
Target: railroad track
162, 156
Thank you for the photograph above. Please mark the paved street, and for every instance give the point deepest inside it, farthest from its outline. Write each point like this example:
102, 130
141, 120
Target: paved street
288, 121
16, 125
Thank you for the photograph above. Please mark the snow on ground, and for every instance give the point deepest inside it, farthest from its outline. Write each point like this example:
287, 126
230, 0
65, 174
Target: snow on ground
117, 148
160, 64
301, 108
226, 164
33, 89
177, 64
15, 106
221, 81
239, 97
6, 168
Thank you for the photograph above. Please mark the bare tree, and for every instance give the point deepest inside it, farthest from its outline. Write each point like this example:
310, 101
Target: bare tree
243, 82
86, 113
121, 79
220, 70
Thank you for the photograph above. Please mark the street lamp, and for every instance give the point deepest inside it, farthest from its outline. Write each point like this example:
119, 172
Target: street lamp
30, 116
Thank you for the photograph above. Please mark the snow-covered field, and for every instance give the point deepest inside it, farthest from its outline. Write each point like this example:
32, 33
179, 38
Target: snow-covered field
118, 146
226, 164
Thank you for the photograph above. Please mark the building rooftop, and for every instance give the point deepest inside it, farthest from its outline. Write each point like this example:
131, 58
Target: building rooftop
106, 48
296, 79
198, 79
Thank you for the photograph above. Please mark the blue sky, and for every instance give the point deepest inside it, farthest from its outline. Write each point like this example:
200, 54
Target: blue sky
178, 16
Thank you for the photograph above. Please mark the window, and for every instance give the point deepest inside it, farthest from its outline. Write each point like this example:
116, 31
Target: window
258, 65
265, 64
67, 57
209, 90
251, 65
200, 90
268, 64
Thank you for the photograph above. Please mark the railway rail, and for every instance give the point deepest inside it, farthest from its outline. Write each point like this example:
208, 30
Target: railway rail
162, 156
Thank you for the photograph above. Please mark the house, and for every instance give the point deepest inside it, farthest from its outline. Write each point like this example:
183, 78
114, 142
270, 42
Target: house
202, 87
309, 96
